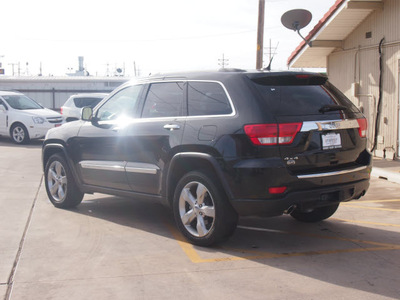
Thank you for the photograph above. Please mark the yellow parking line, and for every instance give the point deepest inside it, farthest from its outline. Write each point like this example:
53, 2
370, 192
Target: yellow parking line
194, 257
368, 207
186, 247
366, 222
318, 236
374, 201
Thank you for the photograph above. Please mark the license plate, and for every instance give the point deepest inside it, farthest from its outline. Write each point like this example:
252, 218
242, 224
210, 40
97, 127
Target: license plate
331, 141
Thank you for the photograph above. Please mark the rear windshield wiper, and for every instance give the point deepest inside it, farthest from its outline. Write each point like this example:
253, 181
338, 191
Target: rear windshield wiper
331, 107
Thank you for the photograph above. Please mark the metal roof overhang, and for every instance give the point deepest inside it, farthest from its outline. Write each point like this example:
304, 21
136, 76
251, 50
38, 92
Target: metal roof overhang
329, 33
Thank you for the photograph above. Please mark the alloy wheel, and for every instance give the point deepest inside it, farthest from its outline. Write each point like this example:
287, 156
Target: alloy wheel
57, 181
18, 134
196, 209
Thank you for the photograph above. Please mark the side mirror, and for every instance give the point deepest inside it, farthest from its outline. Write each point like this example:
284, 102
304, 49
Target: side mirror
87, 113
2, 108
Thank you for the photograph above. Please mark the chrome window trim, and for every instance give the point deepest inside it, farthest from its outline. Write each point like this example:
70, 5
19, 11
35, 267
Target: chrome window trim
233, 113
119, 166
327, 174
329, 125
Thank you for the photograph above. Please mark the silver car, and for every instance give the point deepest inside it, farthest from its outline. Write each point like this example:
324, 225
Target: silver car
71, 110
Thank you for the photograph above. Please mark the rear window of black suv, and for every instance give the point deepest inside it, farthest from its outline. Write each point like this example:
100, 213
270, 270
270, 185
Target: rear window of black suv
295, 95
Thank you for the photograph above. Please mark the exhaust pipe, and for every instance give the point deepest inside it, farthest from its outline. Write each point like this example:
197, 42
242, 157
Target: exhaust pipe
290, 209
362, 194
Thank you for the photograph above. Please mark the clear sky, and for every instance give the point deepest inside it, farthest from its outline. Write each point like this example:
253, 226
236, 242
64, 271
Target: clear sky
155, 35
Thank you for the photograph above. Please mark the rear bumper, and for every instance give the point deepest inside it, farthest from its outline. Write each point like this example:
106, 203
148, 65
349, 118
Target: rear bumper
305, 199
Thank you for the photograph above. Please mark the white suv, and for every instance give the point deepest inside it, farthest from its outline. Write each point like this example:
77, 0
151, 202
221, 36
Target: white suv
71, 110
23, 119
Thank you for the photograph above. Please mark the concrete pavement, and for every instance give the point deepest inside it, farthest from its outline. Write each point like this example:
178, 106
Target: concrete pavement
386, 169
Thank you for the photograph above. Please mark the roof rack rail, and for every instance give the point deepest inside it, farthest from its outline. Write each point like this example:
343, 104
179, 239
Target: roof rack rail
231, 70
164, 77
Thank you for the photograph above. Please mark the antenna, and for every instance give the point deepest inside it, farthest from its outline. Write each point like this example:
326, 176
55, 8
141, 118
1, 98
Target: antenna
297, 19
268, 68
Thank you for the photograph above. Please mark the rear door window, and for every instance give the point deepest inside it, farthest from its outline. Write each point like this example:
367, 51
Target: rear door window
207, 98
86, 101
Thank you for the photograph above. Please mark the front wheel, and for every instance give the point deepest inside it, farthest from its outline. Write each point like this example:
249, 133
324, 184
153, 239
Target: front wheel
202, 211
316, 215
61, 187
19, 134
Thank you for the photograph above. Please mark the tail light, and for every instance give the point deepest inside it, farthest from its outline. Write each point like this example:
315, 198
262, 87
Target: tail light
61, 109
277, 190
362, 130
272, 134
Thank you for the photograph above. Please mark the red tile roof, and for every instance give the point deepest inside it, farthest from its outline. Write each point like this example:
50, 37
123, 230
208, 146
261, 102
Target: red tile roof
316, 28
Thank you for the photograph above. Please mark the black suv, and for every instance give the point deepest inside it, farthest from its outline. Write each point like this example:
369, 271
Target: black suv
215, 146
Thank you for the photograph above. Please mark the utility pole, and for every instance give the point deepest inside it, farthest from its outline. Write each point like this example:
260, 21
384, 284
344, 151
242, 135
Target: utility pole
12, 66
260, 34
223, 62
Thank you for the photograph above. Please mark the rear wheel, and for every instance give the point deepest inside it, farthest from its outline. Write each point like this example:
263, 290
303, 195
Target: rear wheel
19, 134
201, 209
316, 215
60, 184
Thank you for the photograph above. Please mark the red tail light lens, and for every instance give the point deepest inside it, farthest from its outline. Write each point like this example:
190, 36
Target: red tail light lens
61, 109
262, 134
362, 130
272, 134
287, 132
277, 190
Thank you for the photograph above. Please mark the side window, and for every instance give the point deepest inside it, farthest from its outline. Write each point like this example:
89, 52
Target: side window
122, 103
164, 100
207, 98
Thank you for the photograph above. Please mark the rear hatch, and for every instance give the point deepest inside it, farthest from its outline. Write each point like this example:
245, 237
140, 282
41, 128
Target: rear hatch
317, 128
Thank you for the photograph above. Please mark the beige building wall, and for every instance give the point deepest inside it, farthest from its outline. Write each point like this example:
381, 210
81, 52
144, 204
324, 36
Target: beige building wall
355, 70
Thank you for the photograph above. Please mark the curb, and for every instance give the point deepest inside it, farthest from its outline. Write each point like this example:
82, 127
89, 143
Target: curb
383, 174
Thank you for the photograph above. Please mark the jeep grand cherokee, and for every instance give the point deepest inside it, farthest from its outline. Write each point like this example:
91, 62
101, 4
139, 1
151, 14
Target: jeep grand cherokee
215, 146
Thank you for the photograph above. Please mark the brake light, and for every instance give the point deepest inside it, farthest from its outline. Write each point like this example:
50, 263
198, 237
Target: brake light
303, 76
272, 134
362, 130
61, 109
287, 132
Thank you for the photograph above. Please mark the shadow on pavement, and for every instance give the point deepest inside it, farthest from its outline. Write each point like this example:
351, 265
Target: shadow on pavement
336, 252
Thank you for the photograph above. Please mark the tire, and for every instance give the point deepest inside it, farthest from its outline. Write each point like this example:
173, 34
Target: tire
202, 211
316, 215
19, 134
61, 187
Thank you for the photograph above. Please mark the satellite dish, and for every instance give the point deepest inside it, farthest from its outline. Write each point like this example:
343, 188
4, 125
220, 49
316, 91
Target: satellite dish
297, 19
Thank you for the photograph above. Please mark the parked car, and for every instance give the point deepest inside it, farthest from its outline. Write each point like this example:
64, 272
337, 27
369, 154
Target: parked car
214, 146
71, 110
23, 119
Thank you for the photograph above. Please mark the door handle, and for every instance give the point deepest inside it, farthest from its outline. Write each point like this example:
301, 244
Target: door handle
172, 127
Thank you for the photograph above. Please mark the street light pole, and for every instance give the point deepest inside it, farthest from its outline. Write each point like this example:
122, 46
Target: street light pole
260, 34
